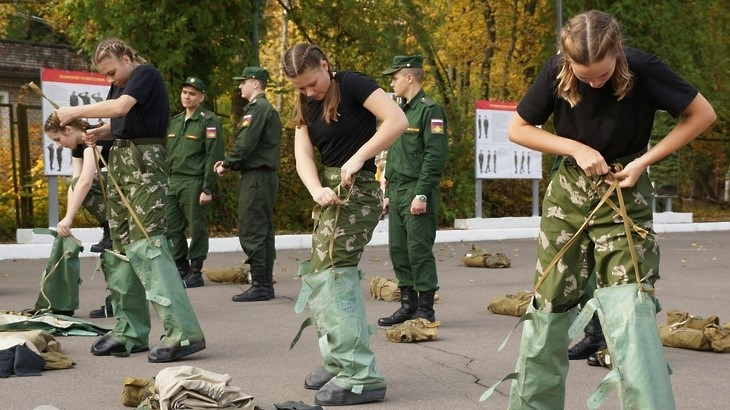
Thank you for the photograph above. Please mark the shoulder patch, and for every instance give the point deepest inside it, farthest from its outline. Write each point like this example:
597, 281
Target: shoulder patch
210, 132
437, 126
428, 101
246, 121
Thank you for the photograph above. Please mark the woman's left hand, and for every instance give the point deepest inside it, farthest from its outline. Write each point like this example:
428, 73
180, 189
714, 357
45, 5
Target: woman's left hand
629, 175
350, 168
64, 227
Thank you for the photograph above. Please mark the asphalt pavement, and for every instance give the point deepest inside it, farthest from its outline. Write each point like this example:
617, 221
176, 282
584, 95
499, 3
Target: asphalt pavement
250, 341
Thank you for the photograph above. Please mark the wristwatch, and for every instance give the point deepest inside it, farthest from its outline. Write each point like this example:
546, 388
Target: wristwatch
421, 198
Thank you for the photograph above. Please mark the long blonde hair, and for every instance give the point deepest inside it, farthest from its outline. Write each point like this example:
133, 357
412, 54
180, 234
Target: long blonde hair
589, 38
303, 57
114, 47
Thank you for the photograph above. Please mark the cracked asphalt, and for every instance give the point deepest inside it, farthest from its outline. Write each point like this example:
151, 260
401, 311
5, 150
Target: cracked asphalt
250, 341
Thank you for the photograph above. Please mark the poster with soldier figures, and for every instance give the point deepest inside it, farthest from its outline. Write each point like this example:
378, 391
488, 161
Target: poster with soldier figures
495, 156
67, 88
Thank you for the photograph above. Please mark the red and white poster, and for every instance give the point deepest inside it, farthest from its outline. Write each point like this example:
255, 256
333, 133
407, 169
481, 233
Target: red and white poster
495, 157
67, 88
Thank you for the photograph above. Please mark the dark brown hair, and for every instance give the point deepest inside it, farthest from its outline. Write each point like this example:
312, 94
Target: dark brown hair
303, 57
53, 124
589, 38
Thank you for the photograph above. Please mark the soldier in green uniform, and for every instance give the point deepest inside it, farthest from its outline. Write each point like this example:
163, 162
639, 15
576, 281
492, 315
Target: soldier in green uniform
415, 164
194, 145
257, 154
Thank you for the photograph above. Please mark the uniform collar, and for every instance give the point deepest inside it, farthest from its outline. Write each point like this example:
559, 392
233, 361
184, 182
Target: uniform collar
195, 115
416, 98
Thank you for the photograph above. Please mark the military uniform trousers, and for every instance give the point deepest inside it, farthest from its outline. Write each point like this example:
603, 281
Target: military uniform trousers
602, 246
256, 198
411, 238
94, 201
184, 210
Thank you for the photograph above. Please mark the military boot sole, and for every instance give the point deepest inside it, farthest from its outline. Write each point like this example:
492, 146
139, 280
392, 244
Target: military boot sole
164, 352
317, 378
333, 395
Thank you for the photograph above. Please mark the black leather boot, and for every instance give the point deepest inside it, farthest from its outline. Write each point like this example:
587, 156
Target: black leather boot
270, 282
183, 267
106, 310
408, 300
591, 343
258, 291
425, 306
194, 279
106, 240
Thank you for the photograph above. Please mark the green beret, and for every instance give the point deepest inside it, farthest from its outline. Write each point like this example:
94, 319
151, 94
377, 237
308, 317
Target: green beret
400, 62
253, 72
195, 82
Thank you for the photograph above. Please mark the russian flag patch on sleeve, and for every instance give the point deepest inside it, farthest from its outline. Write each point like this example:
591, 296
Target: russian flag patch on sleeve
437, 126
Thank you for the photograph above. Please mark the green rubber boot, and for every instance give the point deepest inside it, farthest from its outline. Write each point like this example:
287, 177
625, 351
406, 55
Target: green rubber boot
130, 308
60, 284
640, 370
153, 264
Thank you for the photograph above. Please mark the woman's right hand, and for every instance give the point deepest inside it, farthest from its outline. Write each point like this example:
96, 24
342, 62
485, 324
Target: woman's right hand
590, 161
64, 227
325, 196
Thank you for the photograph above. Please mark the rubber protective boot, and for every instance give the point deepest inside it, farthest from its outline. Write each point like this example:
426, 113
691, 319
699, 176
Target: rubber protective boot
194, 279
129, 305
408, 306
60, 284
425, 306
153, 264
591, 343
336, 304
106, 239
640, 370
259, 290
542, 367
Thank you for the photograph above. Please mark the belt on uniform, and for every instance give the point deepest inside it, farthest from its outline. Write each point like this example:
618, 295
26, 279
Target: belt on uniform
623, 160
132, 145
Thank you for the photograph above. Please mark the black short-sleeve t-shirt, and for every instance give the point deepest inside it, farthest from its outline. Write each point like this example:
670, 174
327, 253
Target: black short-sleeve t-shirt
338, 141
105, 145
150, 116
614, 128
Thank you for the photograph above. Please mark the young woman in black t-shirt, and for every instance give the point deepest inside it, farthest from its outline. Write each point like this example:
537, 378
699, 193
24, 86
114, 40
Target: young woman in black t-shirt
337, 113
139, 111
603, 98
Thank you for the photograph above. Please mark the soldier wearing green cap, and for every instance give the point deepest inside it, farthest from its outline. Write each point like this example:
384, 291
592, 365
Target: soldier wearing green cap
415, 165
256, 153
194, 145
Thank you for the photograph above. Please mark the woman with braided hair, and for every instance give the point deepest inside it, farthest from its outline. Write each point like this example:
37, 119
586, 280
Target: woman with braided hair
602, 97
337, 114
141, 266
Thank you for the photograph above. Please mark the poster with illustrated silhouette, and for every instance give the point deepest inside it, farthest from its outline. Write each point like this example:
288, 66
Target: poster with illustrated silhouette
67, 88
495, 157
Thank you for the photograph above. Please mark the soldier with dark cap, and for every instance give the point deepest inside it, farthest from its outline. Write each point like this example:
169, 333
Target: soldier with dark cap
256, 153
416, 163
194, 145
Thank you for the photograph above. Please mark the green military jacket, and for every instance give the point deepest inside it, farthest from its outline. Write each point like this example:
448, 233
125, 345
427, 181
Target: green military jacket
258, 143
195, 145
420, 153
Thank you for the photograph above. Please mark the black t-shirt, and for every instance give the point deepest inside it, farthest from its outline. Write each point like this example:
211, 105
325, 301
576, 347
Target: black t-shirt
612, 127
339, 140
149, 117
105, 145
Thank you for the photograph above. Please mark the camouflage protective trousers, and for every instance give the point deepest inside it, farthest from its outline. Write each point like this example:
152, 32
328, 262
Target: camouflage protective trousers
602, 245
351, 224
94, 202
142, 173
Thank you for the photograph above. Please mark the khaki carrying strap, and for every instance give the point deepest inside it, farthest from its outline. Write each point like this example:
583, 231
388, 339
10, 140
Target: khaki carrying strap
627, 226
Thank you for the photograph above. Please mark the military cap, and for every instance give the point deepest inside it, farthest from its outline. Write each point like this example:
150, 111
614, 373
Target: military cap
195, 82
253, 72
400, 62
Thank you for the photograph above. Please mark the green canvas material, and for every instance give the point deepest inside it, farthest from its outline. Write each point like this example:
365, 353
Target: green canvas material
337, 310
640, 370
153, 264
61, 279
542, 366
129, 304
